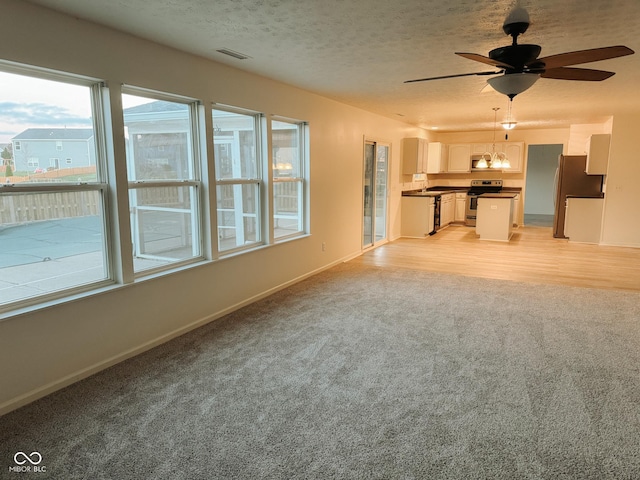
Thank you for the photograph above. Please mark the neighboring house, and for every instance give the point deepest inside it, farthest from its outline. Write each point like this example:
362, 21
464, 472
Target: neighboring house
38, 149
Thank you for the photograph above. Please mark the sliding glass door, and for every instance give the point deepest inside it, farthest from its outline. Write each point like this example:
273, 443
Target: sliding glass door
376, 172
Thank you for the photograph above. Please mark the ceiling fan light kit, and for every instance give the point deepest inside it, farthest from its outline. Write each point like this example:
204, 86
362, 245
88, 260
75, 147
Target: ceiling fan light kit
519, 66
513, 84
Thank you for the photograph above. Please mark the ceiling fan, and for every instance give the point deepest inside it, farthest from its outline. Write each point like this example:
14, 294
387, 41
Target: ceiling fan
521, 68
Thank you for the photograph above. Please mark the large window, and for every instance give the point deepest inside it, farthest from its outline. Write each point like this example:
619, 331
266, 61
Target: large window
164, 179
288, 141
52, 215
63, 195
238, 178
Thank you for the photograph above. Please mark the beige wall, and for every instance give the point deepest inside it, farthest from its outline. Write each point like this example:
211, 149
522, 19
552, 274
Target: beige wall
621, 223
50, 347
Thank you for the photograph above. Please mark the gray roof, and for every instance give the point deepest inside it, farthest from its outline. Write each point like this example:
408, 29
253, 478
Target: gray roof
157, 106
55, 134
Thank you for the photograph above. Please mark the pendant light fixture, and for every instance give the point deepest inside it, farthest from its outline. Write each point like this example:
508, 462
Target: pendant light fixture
493, 159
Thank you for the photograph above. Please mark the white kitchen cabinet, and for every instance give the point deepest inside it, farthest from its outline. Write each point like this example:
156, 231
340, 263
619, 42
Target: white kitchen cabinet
495, 217
583, 219
461, 205
417, 216
513, 150
447, 209
459, 158
414, 156
597, 150
516, 210
436, 157
515, 153
480, 148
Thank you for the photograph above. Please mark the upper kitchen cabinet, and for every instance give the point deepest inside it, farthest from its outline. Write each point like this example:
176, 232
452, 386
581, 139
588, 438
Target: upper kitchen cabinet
480, 148
597, 151
414, 156
459, 158
436, 157
513, 150
515, 153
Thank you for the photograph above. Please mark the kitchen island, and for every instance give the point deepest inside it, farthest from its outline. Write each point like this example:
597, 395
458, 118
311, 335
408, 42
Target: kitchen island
494, 217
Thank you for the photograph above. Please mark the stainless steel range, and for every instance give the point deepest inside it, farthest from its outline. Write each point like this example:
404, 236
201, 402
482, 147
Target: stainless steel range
478, 187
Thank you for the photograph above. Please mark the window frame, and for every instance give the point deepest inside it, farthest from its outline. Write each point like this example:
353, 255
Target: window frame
194, 107
96, 91
258, 181
302, 179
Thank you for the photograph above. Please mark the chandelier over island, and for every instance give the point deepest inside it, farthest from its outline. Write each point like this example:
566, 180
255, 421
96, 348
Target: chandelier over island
493, 159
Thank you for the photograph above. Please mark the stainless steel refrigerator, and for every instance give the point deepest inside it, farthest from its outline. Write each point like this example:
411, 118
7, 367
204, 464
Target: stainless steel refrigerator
571, 180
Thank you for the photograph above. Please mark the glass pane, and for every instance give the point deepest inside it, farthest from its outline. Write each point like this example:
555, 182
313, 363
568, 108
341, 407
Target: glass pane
382, 163
287, 217
164, 225
368, 199
235, 145
287, 156
237, 215
158, 136
50, 242
46, 131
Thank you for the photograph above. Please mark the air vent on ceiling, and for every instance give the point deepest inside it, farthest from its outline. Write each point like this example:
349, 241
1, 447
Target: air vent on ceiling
231, 53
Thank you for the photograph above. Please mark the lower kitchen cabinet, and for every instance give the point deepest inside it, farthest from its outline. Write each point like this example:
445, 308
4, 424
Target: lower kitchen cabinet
516, 210
447, 209
417, 216
583, 219
461, 205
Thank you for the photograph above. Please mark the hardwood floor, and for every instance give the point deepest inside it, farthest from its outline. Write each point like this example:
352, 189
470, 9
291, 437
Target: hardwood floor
532, 255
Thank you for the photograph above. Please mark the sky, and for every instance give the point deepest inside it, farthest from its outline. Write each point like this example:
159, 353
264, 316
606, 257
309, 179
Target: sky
31, 102
28, 102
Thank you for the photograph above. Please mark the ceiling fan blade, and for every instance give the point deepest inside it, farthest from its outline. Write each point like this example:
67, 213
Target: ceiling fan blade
451, 76
482, 59
584, 56
584, 74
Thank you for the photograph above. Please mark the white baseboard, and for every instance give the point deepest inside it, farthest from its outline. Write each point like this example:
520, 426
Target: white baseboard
628, 245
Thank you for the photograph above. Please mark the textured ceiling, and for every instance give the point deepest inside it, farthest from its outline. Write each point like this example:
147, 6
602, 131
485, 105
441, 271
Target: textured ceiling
360, 51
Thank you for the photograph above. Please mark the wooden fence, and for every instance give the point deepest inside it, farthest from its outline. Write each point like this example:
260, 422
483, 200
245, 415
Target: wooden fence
23, 208
16, 209
53, 175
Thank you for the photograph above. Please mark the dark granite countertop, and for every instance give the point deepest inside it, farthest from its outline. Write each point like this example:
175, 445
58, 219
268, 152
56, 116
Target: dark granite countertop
586, 196
498, 195
434, 191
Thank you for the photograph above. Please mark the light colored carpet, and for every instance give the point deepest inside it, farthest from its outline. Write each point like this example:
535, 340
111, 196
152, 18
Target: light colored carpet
362, 372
